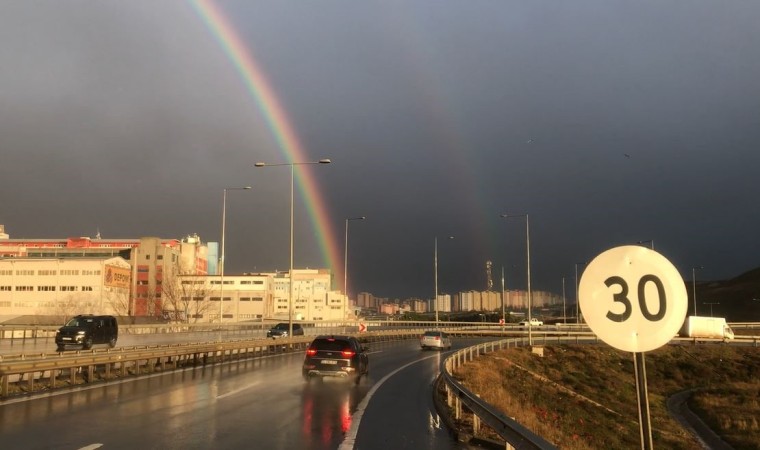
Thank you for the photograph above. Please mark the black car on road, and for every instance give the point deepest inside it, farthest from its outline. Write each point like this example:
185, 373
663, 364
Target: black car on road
86, 330
336, 356
281, 330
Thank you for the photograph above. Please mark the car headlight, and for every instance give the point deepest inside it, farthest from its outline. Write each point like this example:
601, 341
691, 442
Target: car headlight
81, 332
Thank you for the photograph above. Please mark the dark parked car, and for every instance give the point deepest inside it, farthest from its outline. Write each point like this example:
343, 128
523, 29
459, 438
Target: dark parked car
281, 330
86, 330
336, 356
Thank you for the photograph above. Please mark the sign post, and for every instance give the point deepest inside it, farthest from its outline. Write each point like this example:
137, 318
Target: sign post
635, 300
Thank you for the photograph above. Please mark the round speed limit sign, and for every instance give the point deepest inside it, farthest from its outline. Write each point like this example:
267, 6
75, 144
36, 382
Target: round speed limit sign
633, 298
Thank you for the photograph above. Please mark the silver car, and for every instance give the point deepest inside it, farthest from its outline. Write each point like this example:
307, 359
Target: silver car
435, 339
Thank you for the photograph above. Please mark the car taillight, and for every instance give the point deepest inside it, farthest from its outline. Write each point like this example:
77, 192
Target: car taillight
348, 353
311, 352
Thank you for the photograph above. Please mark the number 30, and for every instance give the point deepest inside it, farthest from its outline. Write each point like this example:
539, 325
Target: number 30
622, 297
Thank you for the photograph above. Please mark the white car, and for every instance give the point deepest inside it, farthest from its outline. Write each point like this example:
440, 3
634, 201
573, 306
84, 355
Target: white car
435, 339
532, 322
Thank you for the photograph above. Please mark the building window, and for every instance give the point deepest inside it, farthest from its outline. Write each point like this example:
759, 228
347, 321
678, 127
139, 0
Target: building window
258, 299
6, 272
159, 257
147, 256
87, 288
24, 288
245, 299
5, 288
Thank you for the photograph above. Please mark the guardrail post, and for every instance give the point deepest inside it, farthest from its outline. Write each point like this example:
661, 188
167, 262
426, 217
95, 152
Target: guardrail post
475, 424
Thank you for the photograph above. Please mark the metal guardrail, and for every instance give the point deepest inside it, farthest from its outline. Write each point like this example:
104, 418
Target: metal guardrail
24, 374
459, 396
509, 430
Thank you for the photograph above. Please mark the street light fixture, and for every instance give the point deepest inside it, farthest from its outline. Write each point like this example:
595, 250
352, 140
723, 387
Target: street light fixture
527, 246
345, 261
435, 266
694, 285
292, 185
221, 259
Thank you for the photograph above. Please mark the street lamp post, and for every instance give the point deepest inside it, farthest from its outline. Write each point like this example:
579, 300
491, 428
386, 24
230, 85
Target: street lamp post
435, 267
221, 259
564, 309
694, 285
527, 246
292, 186
711, 305
577, 303
503, 289
345, 261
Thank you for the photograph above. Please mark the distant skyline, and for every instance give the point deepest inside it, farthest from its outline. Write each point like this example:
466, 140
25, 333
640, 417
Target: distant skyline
608, 122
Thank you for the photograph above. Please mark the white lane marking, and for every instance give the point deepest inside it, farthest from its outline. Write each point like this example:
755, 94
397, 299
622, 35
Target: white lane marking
350, 439
91, 447
237, 390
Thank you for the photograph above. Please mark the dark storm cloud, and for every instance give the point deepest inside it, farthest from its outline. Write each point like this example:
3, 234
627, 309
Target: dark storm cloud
608, 122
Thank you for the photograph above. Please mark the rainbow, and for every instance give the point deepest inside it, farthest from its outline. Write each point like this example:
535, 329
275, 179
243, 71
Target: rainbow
277, 120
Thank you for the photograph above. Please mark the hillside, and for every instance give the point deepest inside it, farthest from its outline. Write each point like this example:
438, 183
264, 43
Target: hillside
584, 396
736, 299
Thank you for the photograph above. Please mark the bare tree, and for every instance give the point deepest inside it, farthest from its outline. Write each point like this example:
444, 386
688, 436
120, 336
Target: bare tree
185, 297
71, 305
119, 302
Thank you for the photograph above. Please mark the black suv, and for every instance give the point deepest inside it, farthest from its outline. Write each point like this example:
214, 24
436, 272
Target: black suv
336, 356
86, 330
281, 330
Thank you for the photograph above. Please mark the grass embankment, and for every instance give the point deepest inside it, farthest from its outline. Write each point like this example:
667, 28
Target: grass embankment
584, 397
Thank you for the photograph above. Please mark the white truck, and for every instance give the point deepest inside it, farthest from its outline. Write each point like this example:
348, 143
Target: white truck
532, 322
706, 327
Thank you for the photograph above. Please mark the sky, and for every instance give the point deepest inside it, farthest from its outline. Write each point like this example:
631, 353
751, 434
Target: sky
606, 122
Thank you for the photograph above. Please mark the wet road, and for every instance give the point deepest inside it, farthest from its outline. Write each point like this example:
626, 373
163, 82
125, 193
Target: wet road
260, 403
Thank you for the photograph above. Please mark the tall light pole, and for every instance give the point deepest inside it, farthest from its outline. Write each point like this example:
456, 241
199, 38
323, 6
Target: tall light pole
435, 267
221, 259
292, 186
503, 289
711, 305
345, 261
527, 246
577, 303
694, 285
564, 309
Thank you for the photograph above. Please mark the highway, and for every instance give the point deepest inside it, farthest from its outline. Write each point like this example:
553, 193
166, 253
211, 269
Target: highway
259, 403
